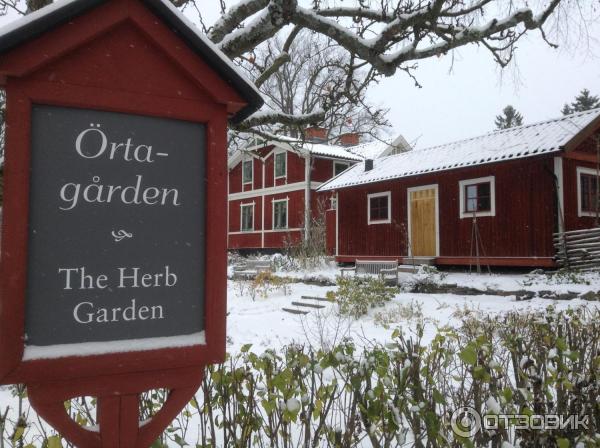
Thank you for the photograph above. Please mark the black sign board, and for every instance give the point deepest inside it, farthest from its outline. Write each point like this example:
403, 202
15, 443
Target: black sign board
116, 236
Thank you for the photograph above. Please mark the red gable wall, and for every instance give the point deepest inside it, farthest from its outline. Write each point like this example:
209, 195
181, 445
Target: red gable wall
292, 187
523, 225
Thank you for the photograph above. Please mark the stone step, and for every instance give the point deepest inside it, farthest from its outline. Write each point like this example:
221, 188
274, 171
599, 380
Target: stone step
320, 299
244, 275
293, 311
308, 305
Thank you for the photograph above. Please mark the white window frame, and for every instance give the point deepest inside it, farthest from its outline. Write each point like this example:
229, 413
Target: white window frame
387, 194
251, 182
287, 214
346, 166
480, 180
242, 206
275, 154
589, 171
333, 202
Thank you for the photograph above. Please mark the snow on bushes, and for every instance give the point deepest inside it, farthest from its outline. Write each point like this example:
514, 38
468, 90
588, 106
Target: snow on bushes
356, 295
404, 392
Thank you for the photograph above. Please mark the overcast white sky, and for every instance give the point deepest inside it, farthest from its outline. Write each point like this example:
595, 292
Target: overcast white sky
463, 102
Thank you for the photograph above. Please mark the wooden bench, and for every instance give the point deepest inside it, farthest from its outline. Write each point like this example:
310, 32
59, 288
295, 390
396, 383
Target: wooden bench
387, 270
250, 268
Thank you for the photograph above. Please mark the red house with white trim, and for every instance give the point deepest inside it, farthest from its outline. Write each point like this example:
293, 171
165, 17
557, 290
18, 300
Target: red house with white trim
498, 197
273, 187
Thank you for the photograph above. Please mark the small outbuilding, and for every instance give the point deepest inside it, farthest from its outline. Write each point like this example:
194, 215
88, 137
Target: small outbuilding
495, 199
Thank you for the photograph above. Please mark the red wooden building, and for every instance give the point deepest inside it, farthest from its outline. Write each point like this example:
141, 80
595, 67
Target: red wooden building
273, 186
501, 195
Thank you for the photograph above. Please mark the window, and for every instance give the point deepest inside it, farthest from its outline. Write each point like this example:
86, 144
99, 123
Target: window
247, 172
338, 167
280, 214
587, 191
280, 164
247, 216
477, 197
333, 203
379, 208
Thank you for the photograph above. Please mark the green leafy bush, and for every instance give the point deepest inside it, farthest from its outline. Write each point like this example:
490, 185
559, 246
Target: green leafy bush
401, 394
356, 295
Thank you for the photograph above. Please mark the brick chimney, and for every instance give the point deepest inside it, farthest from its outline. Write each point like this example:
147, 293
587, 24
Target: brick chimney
349, 139
315, 134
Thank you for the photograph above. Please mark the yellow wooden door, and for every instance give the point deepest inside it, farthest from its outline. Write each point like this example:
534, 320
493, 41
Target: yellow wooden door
423, 232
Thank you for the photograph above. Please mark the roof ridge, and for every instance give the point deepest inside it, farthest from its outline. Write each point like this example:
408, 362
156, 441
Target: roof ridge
513, 129
551, 120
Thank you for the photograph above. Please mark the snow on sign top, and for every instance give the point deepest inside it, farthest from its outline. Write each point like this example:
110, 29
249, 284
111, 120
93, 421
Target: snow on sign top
61, 11
514, 143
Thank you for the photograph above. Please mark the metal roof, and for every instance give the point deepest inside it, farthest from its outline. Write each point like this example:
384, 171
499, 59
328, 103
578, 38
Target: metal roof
508, 144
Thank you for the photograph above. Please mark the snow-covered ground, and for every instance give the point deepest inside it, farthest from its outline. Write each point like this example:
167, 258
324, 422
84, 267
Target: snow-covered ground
535, 281
263, 323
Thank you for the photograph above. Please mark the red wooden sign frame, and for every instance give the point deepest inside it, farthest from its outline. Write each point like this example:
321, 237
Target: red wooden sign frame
20, 96
182, 86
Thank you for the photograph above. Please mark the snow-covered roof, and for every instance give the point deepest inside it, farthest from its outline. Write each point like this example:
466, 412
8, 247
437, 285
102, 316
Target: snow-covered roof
380, 148
334, 151
358, 153
37, 23
508, 144
371, 150
301, 147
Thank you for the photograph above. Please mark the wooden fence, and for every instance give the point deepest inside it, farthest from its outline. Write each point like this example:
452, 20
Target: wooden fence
578, 249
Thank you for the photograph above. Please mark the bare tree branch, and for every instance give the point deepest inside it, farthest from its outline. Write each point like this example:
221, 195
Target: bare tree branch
234, 18
264, 118
369, 39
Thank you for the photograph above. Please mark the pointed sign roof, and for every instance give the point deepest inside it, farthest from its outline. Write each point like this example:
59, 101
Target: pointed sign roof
39, 22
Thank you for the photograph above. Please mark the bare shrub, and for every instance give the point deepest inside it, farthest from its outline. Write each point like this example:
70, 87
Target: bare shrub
309, 253
326, 328
265, 283
400, 312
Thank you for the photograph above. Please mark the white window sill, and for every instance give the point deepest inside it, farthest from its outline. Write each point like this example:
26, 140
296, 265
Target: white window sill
466, 215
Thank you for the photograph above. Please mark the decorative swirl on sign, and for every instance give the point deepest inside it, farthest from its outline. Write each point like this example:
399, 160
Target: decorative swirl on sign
118, 236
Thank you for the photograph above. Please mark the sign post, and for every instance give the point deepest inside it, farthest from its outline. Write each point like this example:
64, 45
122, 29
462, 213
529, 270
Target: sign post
113, 263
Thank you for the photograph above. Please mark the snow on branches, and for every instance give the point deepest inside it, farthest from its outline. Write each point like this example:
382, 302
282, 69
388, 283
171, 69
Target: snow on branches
380, 37
376, 37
